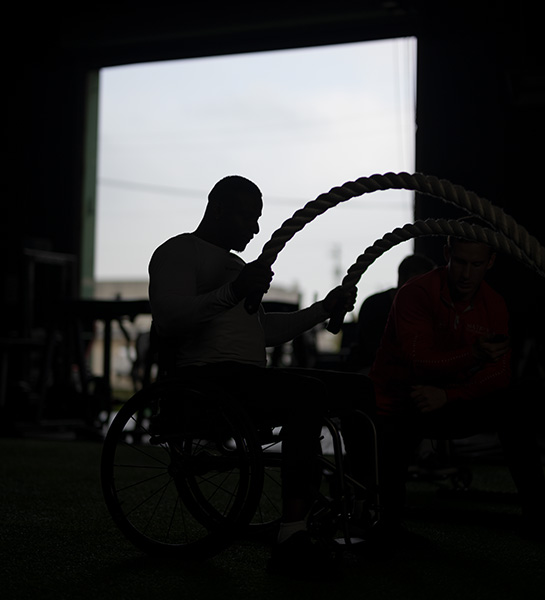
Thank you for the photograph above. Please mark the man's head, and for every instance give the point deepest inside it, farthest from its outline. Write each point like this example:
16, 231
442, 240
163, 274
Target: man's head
231, 218
413, 265
467, 264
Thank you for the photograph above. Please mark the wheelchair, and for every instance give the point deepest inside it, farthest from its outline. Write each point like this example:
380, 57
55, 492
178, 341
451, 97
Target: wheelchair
185, 471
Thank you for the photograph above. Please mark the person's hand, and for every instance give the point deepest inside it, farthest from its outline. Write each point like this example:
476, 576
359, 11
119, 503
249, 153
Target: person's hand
428, 398
340, 299
255, 278
491, 348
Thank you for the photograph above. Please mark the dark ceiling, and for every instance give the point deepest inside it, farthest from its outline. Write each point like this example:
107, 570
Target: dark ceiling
106, 34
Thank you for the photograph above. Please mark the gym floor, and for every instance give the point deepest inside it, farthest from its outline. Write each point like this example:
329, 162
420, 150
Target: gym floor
58, 541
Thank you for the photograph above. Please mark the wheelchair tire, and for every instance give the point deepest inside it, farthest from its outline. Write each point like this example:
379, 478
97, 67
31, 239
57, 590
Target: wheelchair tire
181, 482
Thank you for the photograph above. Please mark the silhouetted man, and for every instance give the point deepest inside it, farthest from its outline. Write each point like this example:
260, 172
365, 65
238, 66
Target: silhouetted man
197, 291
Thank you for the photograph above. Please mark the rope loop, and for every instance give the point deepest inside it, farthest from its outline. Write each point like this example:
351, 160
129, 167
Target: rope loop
433, 227
418, 182
508, 236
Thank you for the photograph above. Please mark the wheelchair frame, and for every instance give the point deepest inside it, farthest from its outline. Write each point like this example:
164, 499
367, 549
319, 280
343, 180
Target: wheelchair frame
188, 482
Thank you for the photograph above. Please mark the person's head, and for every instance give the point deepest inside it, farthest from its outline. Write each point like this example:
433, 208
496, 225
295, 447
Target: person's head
467, 263
413, 265
232, 214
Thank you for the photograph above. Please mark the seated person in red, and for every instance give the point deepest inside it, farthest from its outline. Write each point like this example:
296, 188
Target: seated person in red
197, 293
374, 311
443, 370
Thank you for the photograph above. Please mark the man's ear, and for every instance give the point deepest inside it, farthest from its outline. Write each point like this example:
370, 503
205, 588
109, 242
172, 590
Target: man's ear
491, 260
446, 252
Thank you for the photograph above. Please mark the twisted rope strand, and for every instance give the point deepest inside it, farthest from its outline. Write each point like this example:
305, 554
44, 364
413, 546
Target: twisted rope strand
431, 227
511, 238
439, 188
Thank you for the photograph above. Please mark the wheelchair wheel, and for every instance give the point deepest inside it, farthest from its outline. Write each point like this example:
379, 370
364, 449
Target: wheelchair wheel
181, 471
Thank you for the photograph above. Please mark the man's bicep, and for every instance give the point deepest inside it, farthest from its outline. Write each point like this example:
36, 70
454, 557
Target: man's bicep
172, 285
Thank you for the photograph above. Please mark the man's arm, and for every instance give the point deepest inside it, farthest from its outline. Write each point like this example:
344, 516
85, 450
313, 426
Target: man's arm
282, 327
486, 380
177, 306
473, 370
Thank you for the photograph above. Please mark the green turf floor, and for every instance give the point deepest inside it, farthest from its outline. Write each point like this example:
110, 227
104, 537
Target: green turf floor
58, 541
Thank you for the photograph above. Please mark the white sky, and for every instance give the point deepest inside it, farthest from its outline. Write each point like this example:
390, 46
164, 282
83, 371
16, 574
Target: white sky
295, 122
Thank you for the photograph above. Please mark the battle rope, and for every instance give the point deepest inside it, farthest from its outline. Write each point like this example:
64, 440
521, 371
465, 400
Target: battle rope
431, 227
527, 246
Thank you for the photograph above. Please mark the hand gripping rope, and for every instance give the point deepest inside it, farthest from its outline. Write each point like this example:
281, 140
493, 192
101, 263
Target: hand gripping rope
509, 237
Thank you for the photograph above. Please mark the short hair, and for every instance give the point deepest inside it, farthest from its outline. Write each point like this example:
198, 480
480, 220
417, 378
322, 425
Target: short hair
232, 187
414, 264
469, 220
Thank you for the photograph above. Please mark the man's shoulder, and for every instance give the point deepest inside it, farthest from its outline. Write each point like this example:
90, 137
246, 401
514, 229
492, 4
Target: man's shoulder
378, 300
178, 244
381, 296
430, 282
187, 248
182, 239
172, 249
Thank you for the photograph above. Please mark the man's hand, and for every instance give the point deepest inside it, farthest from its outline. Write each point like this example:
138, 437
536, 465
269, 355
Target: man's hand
255, 278
340, 299
491, 349
428, 398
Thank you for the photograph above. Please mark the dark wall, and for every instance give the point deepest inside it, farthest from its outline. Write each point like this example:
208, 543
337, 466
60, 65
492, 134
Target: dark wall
480, 112
44, 176
480, 116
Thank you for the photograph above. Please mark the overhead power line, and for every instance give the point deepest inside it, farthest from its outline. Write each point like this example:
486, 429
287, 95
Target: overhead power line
178, 191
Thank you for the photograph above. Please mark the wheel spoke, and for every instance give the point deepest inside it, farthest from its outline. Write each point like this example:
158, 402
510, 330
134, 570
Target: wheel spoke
187, 494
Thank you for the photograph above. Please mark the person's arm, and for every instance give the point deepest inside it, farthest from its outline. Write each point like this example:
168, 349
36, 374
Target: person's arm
176, 306
486, 361
488, 379
282, 327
